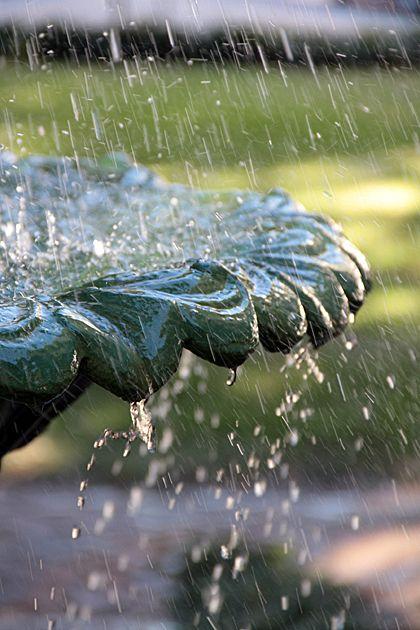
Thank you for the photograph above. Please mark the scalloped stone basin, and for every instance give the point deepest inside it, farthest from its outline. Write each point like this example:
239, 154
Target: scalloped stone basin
108, 273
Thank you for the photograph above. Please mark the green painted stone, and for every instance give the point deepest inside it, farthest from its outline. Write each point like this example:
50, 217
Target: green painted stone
107, 273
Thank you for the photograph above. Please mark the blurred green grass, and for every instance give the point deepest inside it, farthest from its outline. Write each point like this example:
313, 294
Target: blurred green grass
343, 141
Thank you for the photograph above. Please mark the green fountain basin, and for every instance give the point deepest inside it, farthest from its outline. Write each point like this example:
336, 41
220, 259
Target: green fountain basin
108, 273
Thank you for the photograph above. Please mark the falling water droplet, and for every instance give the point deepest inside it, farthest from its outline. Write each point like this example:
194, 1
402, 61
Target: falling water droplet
390, 379
306, 587
355, 522
99, 443
232, 378
284, 602
239, 565
225, 552
260, 487
75, 533
90, 463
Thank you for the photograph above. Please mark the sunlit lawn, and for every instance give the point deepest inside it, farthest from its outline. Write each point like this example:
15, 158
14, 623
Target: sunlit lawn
346, 143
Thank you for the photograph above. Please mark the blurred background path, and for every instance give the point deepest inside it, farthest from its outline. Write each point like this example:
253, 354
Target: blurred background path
123, 571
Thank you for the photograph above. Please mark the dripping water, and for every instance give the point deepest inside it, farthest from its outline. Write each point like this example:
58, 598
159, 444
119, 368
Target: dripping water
142, 428
232, 377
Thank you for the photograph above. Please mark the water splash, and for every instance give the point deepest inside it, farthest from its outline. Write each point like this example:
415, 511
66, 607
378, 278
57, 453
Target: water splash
143, 423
